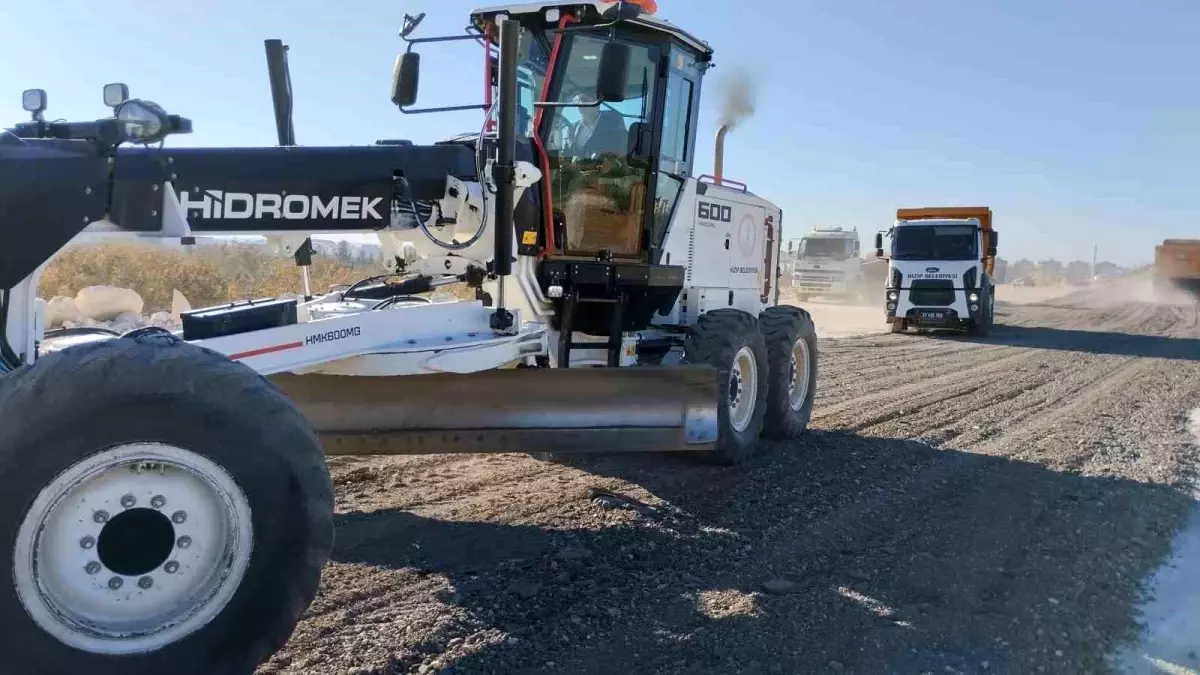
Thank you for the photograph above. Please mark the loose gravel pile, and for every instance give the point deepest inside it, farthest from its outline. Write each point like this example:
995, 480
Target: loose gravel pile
959, 506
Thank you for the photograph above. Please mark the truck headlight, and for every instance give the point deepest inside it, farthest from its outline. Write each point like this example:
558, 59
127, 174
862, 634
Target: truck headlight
891, 306
974, 297
893, 296
974, 308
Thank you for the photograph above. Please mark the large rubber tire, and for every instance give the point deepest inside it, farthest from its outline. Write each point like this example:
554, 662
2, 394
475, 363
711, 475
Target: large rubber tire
983, 327
791, 338
716, 340
87, 402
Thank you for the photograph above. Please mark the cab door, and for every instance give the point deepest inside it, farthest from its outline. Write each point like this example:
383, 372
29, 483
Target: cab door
673, 166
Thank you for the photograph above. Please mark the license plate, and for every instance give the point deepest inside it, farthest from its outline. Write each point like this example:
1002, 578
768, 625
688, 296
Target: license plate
936, 316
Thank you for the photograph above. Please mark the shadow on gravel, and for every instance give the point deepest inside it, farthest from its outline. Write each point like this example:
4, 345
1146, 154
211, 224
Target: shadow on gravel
833, 553
1091, 342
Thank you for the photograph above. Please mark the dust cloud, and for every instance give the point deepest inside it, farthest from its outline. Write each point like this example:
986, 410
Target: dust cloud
1135, 288
738, 92
835, 320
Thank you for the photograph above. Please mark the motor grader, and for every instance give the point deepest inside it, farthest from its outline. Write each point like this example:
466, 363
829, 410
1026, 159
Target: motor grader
166, 503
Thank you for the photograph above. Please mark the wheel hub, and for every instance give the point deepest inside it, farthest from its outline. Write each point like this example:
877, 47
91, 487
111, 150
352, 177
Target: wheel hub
135, 542
798, 377
132, 549
743, 388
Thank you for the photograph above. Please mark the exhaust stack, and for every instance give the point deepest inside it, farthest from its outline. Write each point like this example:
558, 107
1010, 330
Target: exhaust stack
719, 154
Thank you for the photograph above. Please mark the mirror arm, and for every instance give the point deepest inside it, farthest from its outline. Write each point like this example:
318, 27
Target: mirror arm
453, 108
582, 104
443, 38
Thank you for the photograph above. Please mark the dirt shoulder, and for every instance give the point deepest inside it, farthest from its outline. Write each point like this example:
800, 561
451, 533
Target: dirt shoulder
959, 506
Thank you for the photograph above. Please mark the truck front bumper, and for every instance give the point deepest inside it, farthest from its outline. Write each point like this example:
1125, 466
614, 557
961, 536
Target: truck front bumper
960, 314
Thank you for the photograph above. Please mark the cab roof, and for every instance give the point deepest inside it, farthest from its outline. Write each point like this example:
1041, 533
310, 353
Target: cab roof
593, 12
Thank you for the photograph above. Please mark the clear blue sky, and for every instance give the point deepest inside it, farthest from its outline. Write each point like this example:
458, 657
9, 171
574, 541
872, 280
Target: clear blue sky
1078, 122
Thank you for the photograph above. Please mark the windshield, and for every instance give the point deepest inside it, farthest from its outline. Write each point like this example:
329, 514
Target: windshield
599, 192
534, 51
934, 242
825, 248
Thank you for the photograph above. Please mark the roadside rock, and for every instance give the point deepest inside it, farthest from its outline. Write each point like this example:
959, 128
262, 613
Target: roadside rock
179, 305
61, 309
106, 303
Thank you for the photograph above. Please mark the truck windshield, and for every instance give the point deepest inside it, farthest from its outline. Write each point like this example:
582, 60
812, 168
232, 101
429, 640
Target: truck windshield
838, 249
934, 242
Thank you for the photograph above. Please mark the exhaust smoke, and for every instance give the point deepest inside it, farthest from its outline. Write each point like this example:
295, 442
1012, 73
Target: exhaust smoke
738, 96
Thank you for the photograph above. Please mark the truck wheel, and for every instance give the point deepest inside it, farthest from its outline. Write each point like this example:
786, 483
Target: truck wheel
164, 510
792, 363
729, 340
987, 317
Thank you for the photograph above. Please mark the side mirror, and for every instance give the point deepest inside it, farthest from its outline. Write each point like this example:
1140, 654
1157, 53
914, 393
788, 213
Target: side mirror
613, 75
115, 94
641, 138
878, 244
405, 78
143, 121
992, 244
34, 101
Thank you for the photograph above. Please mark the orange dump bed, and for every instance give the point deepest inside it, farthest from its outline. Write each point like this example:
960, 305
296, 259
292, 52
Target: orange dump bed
983, 213
1178, 259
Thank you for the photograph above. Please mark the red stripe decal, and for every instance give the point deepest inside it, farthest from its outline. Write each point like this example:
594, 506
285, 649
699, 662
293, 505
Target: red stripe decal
265, 350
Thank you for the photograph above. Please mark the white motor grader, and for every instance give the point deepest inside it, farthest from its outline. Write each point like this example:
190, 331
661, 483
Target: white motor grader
166, 507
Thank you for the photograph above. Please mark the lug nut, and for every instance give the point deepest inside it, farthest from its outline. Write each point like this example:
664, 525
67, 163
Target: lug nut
92, 568
145, 583
184, 542
178, 517
87, 542
171, 567
128, 501
158, 501
100, 516
115, 583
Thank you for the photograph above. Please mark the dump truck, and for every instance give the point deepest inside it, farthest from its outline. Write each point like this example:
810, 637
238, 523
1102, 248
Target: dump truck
1177, 266
826, 262
941, 269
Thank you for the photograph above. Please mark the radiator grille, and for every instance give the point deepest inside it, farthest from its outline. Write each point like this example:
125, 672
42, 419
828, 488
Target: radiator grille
931, 293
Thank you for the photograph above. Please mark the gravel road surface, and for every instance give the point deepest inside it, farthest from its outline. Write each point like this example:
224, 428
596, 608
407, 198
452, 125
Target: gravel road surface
959, 506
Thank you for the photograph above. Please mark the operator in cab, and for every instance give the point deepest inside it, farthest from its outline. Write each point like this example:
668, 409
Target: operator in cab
600, 131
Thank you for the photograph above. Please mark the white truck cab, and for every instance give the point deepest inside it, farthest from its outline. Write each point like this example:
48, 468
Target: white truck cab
827, 262
940, 269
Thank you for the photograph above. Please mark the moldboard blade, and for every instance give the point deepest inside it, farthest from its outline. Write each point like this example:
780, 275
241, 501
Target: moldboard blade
562, 410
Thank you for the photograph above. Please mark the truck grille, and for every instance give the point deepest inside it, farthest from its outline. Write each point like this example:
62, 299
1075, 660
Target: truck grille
931, 292
820, 276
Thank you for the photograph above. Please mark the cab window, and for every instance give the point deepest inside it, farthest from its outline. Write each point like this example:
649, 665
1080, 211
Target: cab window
594, 188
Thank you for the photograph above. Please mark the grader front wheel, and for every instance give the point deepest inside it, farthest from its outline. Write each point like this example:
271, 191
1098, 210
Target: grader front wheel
164, 510
730, 341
